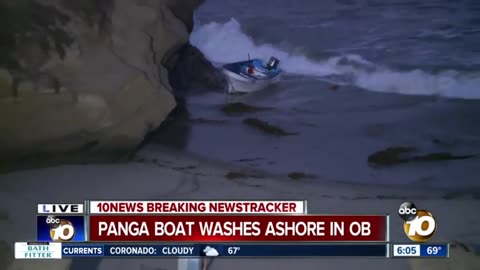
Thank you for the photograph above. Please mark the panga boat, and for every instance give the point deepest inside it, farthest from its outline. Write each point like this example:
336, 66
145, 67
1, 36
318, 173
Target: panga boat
252, 75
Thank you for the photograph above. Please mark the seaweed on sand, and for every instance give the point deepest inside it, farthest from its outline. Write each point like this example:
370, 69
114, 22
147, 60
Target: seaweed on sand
266, 127
241, 108
242, 175
399, 155
300, 176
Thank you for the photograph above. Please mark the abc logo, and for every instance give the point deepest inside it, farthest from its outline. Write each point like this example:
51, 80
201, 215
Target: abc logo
60, 229
419, 225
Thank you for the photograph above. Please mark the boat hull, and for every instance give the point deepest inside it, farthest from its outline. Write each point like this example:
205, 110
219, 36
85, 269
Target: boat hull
237, 83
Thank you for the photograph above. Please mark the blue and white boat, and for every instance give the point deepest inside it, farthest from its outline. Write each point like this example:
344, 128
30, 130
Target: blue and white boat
252, 75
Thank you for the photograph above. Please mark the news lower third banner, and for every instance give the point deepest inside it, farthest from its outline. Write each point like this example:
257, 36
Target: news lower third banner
56, 250
70, 250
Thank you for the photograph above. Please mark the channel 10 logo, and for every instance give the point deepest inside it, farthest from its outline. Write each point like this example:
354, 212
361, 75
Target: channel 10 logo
60, 229
419, 225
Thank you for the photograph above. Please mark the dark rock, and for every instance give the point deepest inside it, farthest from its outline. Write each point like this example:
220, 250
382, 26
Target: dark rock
361, 198
175, 131
242, 174
96, 13
31, 32
30, 24
207, 121
184, 10
78, 115
440, 157
300, 176
183, 168
236, 175
249, 159
335, 87
241, 108
266, 127
190, 70
389, 197
390, 156
399, 155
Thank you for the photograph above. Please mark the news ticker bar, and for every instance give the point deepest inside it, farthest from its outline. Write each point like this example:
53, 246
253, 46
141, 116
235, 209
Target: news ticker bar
176, 207
234, 221
55, 250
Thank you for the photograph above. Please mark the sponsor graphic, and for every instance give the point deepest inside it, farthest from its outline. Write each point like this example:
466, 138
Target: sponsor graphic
29, 250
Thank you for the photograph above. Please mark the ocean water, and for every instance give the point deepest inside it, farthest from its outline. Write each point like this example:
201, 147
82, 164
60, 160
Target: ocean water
408, 74
427, 47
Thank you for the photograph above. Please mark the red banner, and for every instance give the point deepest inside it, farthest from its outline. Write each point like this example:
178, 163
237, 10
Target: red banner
235, 228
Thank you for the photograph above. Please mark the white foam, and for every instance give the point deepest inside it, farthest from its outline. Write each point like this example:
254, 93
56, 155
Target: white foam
226, 42
417, 82
439, 34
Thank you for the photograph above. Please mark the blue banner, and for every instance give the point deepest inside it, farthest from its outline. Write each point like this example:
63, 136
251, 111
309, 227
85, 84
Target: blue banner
83, 250
434, 250
224, 250
301, 250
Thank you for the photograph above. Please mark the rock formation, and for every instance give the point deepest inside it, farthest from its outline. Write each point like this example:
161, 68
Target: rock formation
190, 70
85, 80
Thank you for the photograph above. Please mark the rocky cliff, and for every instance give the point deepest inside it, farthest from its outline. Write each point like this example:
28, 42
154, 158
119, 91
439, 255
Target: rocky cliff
85, 80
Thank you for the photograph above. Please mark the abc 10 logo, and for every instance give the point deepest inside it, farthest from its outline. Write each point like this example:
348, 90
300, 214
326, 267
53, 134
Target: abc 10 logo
60, 229
419, 225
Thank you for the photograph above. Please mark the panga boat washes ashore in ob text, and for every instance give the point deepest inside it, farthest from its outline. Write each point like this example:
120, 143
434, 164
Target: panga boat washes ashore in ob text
252, 75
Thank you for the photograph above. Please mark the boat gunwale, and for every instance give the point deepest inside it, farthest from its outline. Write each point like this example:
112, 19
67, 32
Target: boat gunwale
237, 71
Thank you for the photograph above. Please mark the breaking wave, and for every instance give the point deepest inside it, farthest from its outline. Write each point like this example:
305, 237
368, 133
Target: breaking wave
226, 42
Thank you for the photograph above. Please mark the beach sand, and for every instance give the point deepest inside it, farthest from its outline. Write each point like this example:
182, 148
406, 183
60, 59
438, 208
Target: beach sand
161, 174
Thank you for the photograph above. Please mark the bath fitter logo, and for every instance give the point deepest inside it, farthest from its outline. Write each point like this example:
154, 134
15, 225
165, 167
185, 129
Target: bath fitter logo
419, 225
40, 250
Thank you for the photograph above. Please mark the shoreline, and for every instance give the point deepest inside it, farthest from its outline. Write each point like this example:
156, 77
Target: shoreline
149, 155
308, 128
